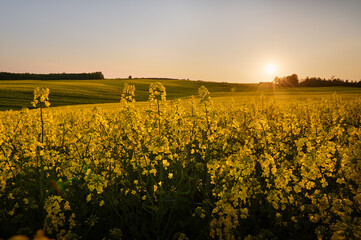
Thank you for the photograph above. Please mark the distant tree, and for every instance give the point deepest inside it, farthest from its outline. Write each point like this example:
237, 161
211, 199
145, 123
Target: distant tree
292, 80
130, 77
288, 81
277, 80
51, 76
318, 82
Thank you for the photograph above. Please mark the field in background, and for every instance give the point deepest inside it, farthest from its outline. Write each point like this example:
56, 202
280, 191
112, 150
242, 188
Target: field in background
16, 94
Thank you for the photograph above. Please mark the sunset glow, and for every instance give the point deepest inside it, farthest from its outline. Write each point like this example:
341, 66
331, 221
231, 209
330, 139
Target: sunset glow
200, 40
271, 69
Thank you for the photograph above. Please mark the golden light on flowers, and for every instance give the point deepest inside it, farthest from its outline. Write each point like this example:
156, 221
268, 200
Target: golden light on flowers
216, 164
157, 92
128, 93
41, 96
204, 94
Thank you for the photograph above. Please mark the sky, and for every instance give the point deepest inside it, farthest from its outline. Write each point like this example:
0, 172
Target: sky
213, 40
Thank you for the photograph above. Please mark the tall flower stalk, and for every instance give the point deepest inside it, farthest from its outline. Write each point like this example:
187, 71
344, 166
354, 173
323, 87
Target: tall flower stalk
157, 94
41, 100
128, 94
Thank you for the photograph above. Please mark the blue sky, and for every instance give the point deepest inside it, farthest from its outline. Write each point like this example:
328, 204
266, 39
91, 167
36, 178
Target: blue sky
211, 40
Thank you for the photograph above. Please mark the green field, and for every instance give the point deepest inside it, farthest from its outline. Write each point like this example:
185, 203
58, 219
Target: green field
15, 94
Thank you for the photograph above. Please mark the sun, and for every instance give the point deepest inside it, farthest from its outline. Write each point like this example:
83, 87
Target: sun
270, 68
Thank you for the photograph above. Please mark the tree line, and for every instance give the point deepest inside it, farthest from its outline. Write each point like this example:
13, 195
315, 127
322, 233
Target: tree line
51, 76
293, 81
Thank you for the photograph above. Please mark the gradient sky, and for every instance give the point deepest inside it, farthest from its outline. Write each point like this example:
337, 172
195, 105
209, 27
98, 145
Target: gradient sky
214, 40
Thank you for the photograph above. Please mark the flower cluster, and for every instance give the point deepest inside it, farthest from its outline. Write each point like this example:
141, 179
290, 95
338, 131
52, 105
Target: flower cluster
128, 93
204, 94
56, 221
41, 95
157, 92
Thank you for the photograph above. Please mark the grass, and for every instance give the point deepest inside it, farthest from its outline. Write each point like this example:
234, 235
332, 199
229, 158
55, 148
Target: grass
15, 94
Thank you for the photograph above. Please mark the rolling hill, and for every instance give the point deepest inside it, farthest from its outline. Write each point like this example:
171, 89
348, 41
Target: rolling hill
16, 94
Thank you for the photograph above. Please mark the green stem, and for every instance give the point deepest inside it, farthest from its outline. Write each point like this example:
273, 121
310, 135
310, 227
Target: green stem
41, 177
42, 125
158, 116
